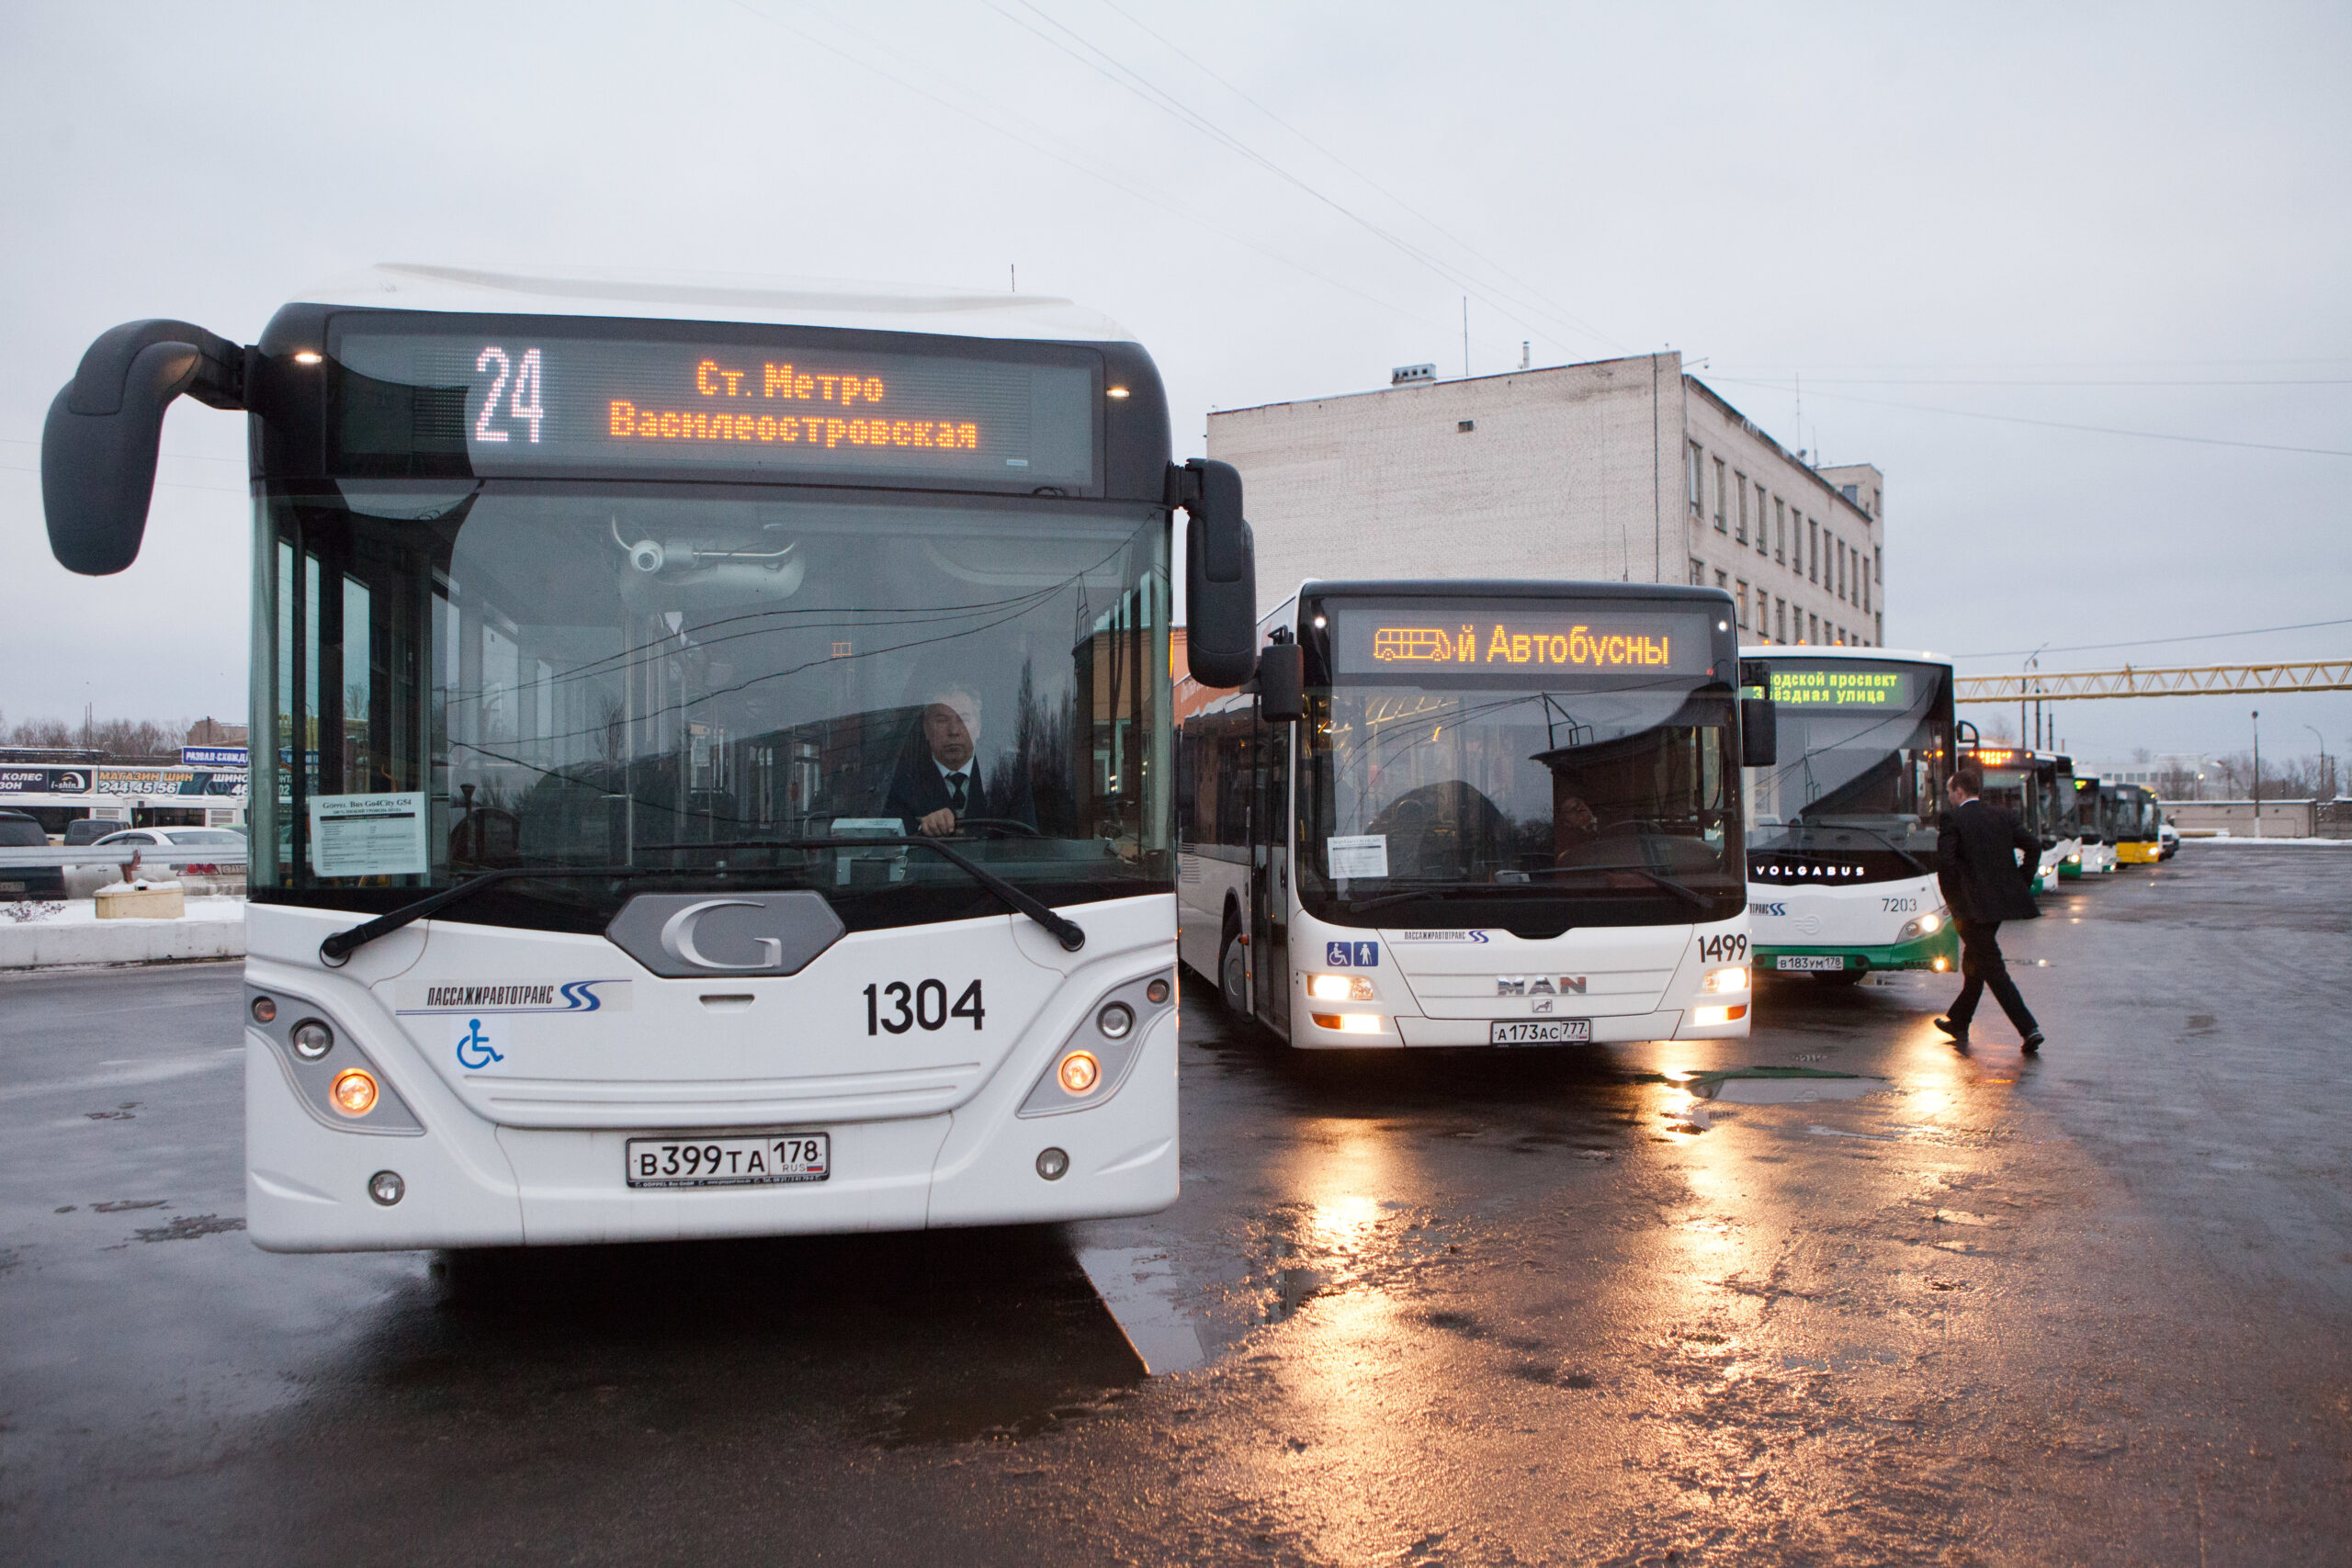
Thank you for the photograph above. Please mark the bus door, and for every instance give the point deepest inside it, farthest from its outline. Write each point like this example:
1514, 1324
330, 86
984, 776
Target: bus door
1270, 889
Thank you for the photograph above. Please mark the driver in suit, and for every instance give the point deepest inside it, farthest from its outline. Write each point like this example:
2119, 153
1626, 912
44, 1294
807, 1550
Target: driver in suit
943, 786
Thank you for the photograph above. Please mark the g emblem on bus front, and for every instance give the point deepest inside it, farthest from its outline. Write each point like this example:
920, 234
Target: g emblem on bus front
678, 937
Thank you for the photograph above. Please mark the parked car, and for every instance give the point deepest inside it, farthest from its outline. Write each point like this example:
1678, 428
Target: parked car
2168, 841
177, 837
89, 830
19, 832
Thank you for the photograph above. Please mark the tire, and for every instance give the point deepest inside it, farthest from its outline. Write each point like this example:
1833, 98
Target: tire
1233, 973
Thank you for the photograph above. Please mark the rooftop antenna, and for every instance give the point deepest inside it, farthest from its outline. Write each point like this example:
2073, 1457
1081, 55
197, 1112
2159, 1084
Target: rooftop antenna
1465, 337
1013, 278
1525, 347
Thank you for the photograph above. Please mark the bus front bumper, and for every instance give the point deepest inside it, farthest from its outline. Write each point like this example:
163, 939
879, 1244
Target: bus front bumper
1938, 951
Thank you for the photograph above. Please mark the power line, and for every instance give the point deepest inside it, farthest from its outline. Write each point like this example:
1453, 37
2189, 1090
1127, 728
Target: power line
1409, 208
1037, 140
2056, 423
1120, 74
2153, 641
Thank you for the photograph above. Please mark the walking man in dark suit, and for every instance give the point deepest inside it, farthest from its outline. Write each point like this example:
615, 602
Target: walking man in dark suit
1984, 884
936, 793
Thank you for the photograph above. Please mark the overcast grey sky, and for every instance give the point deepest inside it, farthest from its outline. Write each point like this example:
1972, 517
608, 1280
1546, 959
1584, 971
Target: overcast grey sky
2130, 216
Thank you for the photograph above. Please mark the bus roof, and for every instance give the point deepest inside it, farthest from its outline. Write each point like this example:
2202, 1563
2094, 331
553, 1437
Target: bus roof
1819, 651
716, 297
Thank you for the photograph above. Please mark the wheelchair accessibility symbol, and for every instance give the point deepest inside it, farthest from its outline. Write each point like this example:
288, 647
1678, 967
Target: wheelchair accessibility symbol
475, 1050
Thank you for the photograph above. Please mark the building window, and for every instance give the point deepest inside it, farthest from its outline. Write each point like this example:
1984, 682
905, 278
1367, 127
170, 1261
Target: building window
1814, 620
1781, 619
1697, 480
1881, 637
1723, 524
1838, 567
1878, 564
1722, 579
1812, 550
1698, 573
1866, 591
1740, 599
1763, 545
1740, 483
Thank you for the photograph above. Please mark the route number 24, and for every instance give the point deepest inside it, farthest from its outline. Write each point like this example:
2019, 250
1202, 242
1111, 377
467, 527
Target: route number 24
525, 378
897, 1007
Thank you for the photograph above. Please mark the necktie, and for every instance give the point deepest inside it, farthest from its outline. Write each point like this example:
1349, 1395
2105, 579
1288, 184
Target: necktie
955, 791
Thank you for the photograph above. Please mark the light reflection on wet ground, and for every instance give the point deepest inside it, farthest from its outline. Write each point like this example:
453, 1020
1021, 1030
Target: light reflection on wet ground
1478, 1308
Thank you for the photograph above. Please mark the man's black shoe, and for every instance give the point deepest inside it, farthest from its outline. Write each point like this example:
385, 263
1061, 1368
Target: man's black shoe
2033, 1042
1959, 1033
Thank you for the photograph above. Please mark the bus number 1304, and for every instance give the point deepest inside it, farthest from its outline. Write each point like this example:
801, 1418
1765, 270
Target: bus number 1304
897, 1007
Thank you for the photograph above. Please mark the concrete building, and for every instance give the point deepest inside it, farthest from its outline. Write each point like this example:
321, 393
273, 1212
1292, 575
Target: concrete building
1620, 471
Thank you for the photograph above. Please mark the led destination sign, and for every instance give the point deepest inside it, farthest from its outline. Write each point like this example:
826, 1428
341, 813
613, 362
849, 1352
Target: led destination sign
540, 397
1408, 643
1841, 686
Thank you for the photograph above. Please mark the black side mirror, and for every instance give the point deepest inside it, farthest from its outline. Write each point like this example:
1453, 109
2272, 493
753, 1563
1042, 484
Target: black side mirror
1759, 740
1220, 574
1282, 683
97, 451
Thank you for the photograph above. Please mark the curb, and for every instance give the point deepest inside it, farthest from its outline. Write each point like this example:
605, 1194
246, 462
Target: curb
35, 946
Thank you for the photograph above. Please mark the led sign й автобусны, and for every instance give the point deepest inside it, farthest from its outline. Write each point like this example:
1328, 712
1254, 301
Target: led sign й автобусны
550, 396
1420, 641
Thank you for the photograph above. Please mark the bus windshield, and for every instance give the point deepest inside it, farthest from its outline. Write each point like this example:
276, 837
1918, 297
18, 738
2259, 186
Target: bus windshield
1863, 748
1426, 778
685, 679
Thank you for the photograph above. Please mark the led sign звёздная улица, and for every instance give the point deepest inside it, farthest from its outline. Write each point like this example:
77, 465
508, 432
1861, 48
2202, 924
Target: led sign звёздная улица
1843, 686
1405, 644
545, 396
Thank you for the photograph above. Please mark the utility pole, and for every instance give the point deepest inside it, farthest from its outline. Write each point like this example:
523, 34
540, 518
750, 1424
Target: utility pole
2257, 772
2326, 769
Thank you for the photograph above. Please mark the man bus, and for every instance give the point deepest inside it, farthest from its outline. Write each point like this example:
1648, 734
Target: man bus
594, 621
1490, 813
1842, 835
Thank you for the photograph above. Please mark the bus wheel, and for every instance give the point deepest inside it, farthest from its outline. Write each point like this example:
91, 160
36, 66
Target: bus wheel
1233, 973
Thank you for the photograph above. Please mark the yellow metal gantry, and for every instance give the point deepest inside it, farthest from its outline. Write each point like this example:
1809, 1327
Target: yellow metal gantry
2033, 685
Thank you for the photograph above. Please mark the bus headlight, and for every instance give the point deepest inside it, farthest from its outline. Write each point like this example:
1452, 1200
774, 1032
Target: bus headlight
1080, 1071
1726, 980
1340, 988
1926, 925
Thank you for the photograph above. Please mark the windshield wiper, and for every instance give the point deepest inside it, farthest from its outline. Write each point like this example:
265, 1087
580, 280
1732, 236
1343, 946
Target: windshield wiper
336, 949
1517, 890
1064, 932
1690, 895
339, 947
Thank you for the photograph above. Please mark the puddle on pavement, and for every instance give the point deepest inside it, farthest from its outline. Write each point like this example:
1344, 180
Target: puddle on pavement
1141, 1287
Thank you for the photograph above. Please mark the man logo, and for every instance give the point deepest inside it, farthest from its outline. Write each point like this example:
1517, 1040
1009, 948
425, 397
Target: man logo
1541, 986
676, 934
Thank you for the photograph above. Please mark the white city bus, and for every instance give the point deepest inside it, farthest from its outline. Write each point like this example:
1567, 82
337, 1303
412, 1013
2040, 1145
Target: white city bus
1841, 827
1508, 814
722, 775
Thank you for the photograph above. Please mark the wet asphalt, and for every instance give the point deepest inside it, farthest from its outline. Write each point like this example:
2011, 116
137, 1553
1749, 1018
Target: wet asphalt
1511, 1308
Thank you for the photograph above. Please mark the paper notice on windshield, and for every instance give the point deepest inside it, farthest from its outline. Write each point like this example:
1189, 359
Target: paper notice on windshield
367, 835
1358, 854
